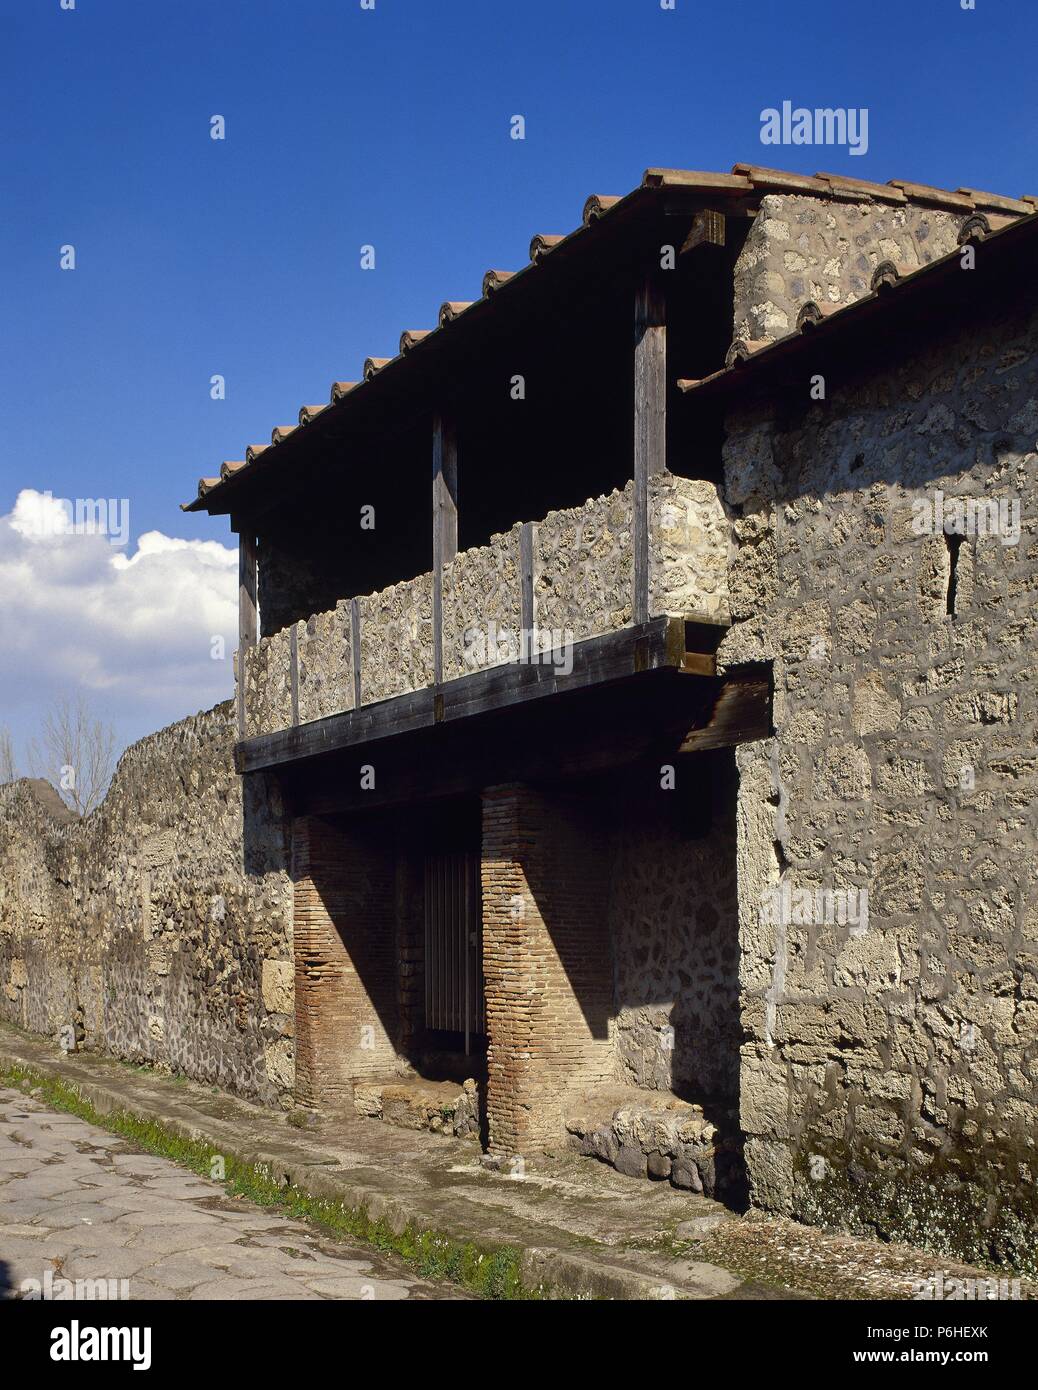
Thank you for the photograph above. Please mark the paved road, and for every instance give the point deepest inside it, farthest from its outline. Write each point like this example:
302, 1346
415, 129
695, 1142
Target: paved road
78, 1203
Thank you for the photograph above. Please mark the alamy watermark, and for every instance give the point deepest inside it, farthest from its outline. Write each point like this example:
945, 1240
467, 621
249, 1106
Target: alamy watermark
82, 516
843, 907
533, 646
56, 1288
938, 1288
828, 125
967, 516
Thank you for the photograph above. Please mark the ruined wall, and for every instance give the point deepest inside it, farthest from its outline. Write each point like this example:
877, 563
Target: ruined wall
148, 928
673, 921
889, 1069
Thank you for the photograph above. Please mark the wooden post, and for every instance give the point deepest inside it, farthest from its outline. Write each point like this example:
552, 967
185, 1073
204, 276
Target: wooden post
293, 670
526, 600
650, 424
355, 648
248, 610
445, 524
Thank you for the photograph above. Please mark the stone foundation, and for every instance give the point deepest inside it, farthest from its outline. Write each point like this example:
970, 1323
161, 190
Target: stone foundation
441, 1107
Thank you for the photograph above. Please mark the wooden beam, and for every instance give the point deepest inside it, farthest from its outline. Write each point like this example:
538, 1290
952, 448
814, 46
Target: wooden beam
248, 610
445, 523
740, 714
659, 645
650, 424
708, 229
248, 607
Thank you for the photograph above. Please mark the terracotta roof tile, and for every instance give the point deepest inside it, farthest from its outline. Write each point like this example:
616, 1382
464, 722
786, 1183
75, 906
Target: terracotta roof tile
373, 365
206, 485
743, 349
698, 178
995, 201
280, 433
887, 274
883, 192
764, 178
411, 336
542, 244
494, 279
341, 389
226, 469
452, 308
925, 193
812, 313
310, 412
597, 206
253, 452
975, 226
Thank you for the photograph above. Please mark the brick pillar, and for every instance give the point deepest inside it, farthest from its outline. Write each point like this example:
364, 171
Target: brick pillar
546, 962
345, 960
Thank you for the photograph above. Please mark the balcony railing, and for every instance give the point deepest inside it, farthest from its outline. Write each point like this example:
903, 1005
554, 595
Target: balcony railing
565, 579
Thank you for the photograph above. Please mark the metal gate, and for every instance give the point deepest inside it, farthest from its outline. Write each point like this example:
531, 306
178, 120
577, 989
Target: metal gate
454, 1000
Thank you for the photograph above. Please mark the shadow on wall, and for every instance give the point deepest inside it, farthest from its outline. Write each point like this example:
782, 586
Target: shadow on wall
631, 948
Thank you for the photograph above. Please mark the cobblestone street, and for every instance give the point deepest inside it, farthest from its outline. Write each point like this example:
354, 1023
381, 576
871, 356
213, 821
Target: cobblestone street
78, 1203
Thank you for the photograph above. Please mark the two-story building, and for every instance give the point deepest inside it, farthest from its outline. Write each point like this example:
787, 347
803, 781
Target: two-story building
643, 745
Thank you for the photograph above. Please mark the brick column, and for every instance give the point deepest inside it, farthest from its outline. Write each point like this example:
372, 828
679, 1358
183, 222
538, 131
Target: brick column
345, 960
546, 962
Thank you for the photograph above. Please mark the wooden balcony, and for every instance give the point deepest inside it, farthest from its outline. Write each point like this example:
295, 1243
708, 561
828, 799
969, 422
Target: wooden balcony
545, 609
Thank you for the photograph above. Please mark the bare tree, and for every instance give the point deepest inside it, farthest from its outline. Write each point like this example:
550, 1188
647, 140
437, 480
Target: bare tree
8, 771
76, 751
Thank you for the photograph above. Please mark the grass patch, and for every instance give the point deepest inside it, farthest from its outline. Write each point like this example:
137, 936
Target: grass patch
490, 1274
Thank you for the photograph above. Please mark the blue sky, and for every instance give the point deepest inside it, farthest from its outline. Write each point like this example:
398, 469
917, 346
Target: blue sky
343, 127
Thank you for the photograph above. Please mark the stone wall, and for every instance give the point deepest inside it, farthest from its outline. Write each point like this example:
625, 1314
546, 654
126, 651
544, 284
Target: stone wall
396, 647
888, 1077
148, 930
690, 549
673, 918
584, 567
802, 247
481, 606
325, 646
268, 691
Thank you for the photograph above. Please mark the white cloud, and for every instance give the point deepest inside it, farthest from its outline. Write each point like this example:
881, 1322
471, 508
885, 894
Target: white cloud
135, 633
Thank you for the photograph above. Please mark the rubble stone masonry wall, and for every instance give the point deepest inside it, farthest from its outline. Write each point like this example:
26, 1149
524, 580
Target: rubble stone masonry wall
890, 1069
149, 931
801, 247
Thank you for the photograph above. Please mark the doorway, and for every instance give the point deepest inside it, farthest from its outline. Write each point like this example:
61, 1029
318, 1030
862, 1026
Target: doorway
455, 1005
